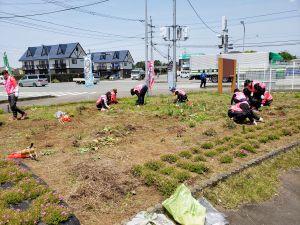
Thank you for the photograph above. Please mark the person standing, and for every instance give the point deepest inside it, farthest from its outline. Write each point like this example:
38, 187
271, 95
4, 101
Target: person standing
203, 77
140, 91
12, 89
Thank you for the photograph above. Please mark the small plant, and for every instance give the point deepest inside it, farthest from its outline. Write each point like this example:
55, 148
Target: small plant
244, 129
181, 176
230, 124
193, 167
273, 137
154, 165
167, 170
199, 158
286, 132
185, 154
263, 139
219, 141
248, 148
137, 170
241, 154
207, 145
210, 153
226, 159
222, 149
210, 132
192, 123
170, 158
195, 150
227, 138
255, 144
167, 186
150, 178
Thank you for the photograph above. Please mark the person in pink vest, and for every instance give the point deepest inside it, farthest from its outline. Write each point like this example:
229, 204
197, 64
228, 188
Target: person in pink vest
255, 91
103, 102
113, 99
12, 89
140, 91
181, 95
241, 111
268, 99
238, 96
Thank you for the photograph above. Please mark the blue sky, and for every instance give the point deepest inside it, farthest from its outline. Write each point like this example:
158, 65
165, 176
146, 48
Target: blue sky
283, 25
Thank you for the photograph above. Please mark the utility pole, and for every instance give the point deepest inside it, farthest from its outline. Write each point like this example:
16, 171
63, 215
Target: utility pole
243, 23
174, 44
146, 41
225, 34
151, 39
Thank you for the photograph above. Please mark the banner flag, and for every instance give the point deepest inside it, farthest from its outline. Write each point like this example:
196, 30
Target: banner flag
6, 63
88, 71
151, 74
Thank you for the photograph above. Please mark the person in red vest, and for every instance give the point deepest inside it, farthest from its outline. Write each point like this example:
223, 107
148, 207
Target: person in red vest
12, 89
268, 99
238, 97
241, 111
255, 91
181, 95
113, 99
102, 103
140, 91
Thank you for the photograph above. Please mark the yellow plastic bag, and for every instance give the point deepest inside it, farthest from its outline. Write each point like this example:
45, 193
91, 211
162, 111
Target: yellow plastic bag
184, 208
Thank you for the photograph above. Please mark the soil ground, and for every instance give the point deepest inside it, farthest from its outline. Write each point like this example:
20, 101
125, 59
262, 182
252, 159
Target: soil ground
282, 209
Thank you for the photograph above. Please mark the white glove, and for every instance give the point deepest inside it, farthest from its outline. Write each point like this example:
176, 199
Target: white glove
262, 97
17, 94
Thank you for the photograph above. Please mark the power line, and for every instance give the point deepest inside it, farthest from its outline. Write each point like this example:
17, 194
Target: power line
61, 4
56, 11
201, 18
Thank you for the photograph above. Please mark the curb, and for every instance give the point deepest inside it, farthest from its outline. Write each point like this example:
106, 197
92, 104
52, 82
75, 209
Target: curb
158, 208
29, 98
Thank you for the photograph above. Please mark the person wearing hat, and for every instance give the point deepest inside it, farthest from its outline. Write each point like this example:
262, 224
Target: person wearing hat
140, 91
181, 95
12, 89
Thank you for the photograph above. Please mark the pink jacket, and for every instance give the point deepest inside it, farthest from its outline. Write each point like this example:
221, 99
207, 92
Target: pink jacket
11, 86
181, 92
139, 87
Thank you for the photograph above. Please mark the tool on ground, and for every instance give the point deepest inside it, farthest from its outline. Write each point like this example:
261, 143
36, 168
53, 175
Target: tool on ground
28, 152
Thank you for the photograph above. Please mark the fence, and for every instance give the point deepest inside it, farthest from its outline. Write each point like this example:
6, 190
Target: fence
277, 77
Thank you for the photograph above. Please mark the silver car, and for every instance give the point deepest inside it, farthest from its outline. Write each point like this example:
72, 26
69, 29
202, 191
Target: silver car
33, 80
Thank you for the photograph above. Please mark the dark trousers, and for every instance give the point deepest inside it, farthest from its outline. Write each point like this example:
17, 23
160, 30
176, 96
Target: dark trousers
182, 98
12, 100
101, 105
203, 83
141, 96
240, 117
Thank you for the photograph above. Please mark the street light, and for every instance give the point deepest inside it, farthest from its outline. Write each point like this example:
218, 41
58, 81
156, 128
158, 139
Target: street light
243, 23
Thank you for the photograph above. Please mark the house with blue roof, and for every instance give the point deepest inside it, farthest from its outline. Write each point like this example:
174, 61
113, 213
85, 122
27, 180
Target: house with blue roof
56, 59
113, 62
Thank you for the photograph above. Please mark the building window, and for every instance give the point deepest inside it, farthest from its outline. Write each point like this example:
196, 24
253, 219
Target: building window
125, 63
74, 61
116, 55
102, 56
28, 54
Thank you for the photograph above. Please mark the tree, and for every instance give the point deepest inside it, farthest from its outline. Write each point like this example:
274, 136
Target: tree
157, 63
140, 64
287, 56
250, 51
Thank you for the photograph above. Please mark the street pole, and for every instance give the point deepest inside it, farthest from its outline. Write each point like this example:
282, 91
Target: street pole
146, 41
151, 39
243, 23
49, 71
174, 44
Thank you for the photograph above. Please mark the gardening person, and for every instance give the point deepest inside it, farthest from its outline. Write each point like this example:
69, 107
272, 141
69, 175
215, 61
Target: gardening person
12, 89
255, 91
203, 77
181, 95
238, 96
241, 111
103, 102
268, 99
140, 91
113, 99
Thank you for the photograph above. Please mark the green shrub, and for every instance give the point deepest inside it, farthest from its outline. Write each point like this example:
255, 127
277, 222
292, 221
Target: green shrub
273, 137
149, 178
195, 150
154, 165
137, 170
210, 132
248, 148
1, 111
207, 145
199, 158
167, 170
167, 186
222, 149
170, 158
185, 154
182, 176
263, 139
193, 167
210, 153
226, 159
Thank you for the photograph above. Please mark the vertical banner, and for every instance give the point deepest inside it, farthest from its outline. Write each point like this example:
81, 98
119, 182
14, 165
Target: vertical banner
6, 63
88, 71
151, 74
171, 83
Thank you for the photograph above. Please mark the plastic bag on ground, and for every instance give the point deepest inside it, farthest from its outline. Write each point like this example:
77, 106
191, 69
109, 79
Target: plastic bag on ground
213, 217
184, 208
144, 218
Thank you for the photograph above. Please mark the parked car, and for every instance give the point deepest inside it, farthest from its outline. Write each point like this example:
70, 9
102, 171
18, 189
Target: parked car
33, 80
137, 74
184, 74
114, 76
1, 80
82, 80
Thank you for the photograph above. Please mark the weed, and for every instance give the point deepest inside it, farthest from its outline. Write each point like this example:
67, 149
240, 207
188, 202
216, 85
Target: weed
154, 165
83, 150
222, 149
219, 141
185, 154
195, 150
170, 158
237, 140
273, 137
167, 186
210, 132
193, 167
255, 144
167, 170
207, 145
248, 148
263, 139
192, 123
241, 154
150, 178
286, 132
227, 138
1, 111
226, 159
230, 124
210, 153
137, 170
181, 176
48, 152
199, 158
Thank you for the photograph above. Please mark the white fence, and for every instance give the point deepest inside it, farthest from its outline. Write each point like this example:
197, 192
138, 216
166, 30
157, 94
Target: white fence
276, 76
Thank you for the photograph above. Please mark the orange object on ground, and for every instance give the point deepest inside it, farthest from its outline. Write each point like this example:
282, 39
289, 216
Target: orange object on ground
18, 156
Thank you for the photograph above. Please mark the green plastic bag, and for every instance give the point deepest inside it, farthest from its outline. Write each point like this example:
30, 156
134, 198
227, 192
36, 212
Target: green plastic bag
184, 208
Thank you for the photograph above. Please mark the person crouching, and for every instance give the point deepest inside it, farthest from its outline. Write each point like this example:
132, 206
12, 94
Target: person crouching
181, 95
140, 91
103, 102
113, 99
268, 99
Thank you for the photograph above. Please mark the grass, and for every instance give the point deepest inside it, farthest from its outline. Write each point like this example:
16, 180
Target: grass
255, 184
185, 154
154, 165
248, 148
210, 153
198, 168
170, 158
226, 159
207, 145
